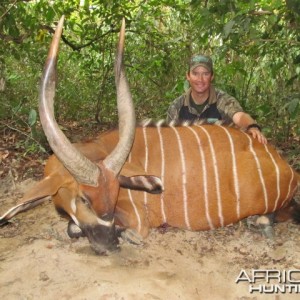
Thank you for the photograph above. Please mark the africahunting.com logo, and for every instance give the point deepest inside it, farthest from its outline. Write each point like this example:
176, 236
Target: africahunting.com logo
271, 281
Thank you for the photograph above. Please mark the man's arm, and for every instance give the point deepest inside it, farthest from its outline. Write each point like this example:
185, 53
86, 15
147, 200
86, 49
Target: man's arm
232, 109
243, 120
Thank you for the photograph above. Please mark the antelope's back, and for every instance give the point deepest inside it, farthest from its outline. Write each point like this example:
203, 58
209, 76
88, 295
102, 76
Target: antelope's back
212, 176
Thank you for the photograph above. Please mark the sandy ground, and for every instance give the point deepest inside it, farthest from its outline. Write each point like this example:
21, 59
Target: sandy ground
39, 261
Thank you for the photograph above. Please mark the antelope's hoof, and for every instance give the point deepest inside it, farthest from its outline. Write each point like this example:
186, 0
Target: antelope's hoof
262, 224
132, 236
74, 231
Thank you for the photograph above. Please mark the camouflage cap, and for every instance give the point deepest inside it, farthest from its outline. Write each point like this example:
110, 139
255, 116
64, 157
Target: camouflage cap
201, 60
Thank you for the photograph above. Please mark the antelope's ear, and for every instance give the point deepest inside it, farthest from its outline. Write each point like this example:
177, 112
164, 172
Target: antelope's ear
20, 208
36, 195
147, 183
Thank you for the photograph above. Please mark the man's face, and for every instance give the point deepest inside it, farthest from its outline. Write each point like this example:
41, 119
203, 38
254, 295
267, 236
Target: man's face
200, 79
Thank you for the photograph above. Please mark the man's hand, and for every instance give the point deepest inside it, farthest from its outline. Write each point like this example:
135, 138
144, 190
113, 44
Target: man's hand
255, 132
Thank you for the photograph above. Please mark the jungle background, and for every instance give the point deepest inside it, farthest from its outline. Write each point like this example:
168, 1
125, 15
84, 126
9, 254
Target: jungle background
255, 46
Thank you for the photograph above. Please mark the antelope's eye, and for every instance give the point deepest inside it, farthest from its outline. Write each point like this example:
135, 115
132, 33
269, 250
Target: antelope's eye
85, 200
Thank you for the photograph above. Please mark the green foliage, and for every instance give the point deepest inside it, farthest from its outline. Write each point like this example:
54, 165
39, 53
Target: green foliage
254, 45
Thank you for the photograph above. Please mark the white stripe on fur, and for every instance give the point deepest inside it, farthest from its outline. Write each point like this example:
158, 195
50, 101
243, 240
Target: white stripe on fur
234, 172
204, 172
162, 204
216, 173
277, 177
261, 178
184, 191
138, 218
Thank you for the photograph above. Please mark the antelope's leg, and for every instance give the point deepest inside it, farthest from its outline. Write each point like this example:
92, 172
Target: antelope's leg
131, 236
131, 216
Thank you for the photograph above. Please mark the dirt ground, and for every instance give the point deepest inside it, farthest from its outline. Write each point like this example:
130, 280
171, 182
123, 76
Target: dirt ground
39, 261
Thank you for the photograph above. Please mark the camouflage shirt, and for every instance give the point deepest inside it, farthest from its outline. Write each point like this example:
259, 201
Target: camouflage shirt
225, 104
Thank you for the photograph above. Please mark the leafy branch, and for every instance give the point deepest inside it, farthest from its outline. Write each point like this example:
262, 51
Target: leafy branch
7, 11
22, 133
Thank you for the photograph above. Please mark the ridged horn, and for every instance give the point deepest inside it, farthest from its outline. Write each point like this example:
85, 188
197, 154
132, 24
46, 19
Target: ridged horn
83, 170
116, 159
